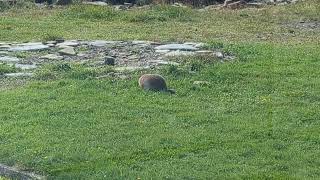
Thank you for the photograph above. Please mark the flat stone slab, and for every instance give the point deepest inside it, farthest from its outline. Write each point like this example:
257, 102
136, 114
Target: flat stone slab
181, 47
21, 74
25, 66
28, 47
5, 47
67, 51
141, 42
9, 59
68, 43
14, 173
162, 62
52, 57
162, 51
98, 43
179, 53
4, 53
97, 3
130, 68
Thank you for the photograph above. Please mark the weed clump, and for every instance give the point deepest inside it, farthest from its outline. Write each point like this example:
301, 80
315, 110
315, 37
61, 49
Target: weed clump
69, 71
4, 68
90, 13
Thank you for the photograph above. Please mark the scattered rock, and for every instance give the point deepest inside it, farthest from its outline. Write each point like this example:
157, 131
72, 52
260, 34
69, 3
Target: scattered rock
181, 47
4, 47
126, 55
162, 51
4, 53
21, 74
72, 43
162, 62
67, 50
120, 7
96, 3
51, 42
204, 52
59, 40
28, 47
109, 61
218, 55
9, 59
255, 5
309, 25
141, 42
179, 53
130, 68
52, 57
179, 5
201, 83
64, 2
98, 43
14, 173
25, 66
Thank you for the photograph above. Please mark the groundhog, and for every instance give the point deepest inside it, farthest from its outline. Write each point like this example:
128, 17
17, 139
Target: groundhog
154, 82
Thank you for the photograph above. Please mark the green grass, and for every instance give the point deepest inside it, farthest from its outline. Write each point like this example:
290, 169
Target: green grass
4, 68
162, 23
257, 119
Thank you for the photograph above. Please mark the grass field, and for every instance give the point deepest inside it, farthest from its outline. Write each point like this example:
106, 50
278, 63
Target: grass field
257, 119
163, 24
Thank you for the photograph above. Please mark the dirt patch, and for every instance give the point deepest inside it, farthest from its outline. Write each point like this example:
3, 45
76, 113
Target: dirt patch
306, 25
11, 83
14, 173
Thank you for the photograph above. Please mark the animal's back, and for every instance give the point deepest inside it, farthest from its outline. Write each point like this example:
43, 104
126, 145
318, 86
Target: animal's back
152, 82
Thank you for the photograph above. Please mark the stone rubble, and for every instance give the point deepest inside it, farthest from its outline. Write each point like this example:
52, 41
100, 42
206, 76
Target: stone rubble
123, 55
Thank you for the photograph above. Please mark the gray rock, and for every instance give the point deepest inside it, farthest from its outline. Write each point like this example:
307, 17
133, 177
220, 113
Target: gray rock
130, 68
218, 55
67, 51
120, 7
201, 83
179, 53
28, 47
51, 42
82, 55
204, 52
97, 3
200, 45
25, 66
181, 47
4, 53
194, 44
98, 43
73, 43
9, 59
4, 47
64, 2
162, 62
51, 45
21, 74
162, 51
52, 57
109, 61
140, 42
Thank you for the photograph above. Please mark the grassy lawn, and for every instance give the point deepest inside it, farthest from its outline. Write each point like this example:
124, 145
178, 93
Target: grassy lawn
162, 24
258, 118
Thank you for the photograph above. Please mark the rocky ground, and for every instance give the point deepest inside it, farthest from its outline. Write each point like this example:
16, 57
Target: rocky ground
227, 4
123, 56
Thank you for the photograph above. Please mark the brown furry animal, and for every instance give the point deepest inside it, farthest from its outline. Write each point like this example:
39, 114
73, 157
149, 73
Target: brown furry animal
154, 82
